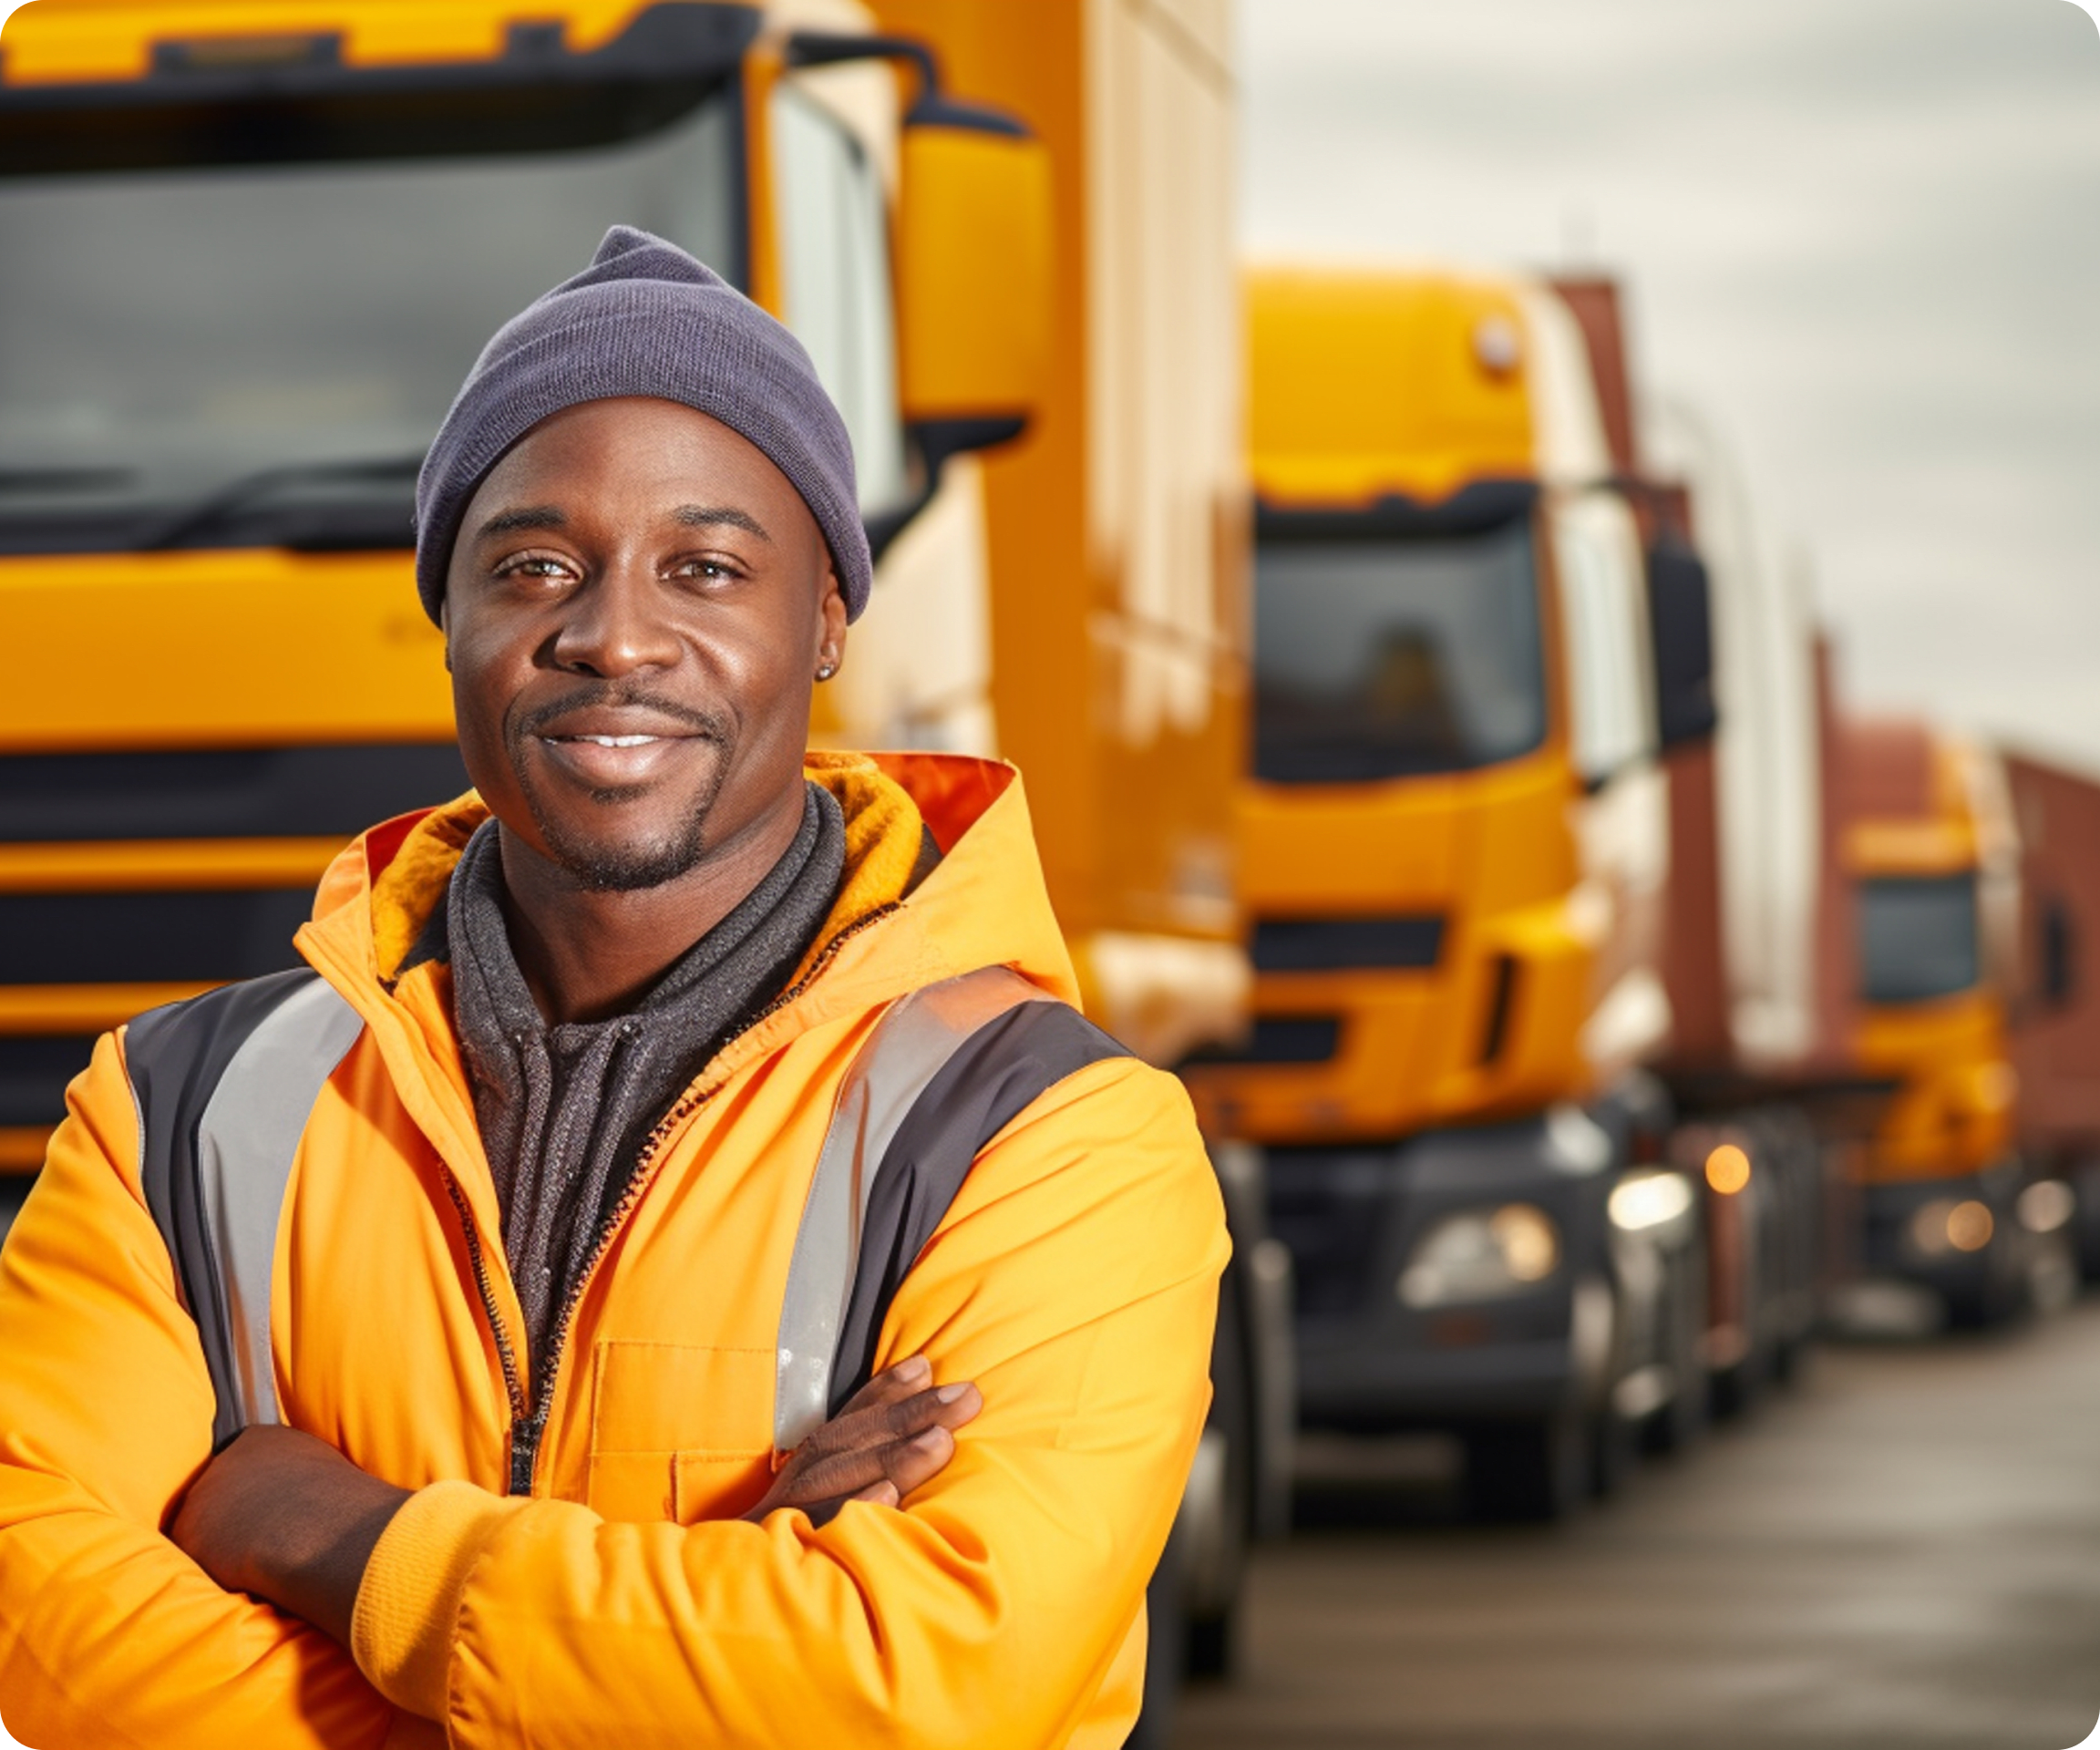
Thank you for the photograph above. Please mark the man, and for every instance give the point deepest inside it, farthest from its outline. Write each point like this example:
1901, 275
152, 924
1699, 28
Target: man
429, 1348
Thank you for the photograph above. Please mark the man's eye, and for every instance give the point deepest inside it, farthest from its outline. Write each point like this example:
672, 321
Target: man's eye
533, 567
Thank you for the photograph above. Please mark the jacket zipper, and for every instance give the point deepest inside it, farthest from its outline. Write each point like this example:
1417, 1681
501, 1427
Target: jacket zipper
513, 1387
528, 1426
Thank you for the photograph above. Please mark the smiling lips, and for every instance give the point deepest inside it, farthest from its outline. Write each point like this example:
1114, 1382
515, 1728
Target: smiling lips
609, 758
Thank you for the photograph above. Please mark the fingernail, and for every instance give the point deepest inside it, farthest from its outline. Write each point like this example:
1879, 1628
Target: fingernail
932, 1440
949, 1393
917, 1367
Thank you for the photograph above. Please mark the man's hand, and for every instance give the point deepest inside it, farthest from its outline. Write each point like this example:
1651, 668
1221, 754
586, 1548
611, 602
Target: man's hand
287, 1518
895, 1434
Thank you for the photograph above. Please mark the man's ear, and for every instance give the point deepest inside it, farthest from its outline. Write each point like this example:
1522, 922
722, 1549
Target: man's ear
831, 625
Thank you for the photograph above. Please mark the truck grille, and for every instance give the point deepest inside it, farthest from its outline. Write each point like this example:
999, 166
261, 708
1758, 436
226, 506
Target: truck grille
229, 793
1328, 1205
1341, 944
1281, 1039
33, 1071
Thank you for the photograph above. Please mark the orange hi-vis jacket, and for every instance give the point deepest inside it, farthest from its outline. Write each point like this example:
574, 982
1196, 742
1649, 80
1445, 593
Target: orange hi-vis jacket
621, 1601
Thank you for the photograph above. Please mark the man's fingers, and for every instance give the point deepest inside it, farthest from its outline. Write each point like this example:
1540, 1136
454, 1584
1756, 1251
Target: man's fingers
855, 1429
881, 1494
912, 1464
913, 1373
905, 1464
945, 1407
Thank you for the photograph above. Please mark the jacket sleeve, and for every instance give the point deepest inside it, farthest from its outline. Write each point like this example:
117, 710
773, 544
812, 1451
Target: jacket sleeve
1076, 1281
110, 1635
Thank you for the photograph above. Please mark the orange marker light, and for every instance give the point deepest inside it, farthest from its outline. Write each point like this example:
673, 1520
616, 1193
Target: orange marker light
1727, 1169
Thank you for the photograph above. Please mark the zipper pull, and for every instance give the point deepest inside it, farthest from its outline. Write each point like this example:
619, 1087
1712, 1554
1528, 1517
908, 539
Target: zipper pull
524, 1452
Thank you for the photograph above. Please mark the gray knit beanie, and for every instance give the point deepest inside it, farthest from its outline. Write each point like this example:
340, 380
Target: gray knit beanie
644, 318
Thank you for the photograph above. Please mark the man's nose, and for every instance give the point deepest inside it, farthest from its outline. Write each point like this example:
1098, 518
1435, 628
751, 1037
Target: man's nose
618, 623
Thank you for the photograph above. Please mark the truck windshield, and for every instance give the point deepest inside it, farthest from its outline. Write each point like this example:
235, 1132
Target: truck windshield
274, 341
1386, 657
1917, 937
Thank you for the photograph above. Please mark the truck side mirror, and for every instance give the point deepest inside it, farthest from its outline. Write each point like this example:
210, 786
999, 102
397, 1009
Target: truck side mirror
972, 258
1680, 619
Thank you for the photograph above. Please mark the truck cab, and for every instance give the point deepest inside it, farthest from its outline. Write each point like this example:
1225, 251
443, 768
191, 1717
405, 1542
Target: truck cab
253, 250
1453, 850
248, 267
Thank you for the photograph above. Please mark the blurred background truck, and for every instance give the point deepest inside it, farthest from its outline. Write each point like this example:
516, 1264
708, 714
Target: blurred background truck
1972, 909
1550, 1058
1455, 851
251, 251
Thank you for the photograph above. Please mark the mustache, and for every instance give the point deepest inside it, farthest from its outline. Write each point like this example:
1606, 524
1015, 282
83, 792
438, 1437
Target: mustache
614, 695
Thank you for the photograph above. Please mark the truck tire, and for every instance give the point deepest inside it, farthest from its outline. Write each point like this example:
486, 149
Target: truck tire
1533, 1472
1214, 1570
14, 1190
1166, 1630
1614, 1445
1680, 1423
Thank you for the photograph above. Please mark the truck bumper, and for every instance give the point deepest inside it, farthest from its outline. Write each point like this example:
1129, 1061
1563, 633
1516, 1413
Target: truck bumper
1982, 1282
1353, 1217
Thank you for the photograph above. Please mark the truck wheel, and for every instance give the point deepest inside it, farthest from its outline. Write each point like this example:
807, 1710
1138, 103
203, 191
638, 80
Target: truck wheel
1614, 1441
1680, 1422
1528, 1472
14, 1191
1220, 1502
1165, 1631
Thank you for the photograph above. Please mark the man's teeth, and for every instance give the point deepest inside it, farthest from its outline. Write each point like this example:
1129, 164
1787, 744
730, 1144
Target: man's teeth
617, 741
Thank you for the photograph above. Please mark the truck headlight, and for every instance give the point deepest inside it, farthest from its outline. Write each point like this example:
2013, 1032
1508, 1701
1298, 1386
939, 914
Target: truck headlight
1481, 1255
1642, 1202
1944, 1225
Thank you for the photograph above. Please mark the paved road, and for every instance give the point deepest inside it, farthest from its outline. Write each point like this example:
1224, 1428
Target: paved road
1902, 1553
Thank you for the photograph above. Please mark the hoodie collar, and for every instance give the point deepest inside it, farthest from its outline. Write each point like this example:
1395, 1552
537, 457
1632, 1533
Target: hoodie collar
983, 904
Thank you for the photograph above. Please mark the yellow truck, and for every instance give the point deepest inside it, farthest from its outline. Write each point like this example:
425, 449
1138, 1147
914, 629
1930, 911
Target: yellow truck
253, 246
1947, 1201
1454, 847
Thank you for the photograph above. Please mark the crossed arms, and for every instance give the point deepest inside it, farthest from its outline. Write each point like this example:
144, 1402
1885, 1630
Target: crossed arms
990, 1606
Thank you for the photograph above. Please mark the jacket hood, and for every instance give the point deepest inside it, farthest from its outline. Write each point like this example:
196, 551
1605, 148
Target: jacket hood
984, 903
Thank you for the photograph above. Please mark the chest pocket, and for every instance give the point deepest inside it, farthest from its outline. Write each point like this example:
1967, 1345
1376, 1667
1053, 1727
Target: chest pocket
665, 1420
224, 1084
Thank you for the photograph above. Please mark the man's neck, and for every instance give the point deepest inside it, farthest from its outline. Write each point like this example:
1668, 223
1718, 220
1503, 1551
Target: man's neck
587, 954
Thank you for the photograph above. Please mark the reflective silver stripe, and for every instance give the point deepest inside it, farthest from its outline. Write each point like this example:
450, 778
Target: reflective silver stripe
246, 1141
919, 1034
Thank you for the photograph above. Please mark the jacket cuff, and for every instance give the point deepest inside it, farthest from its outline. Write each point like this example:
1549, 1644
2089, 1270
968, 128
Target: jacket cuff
401, 1629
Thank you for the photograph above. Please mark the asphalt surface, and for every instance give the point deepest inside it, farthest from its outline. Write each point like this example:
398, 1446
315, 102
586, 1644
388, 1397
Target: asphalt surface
1901, 1551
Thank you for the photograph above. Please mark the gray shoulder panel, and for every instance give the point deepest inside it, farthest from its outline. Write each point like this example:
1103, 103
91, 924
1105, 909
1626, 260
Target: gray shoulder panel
910, 1046
993, 1076
223, 1085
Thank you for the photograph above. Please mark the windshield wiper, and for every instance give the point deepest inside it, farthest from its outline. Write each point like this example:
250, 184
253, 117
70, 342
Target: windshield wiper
238, 498
65, 479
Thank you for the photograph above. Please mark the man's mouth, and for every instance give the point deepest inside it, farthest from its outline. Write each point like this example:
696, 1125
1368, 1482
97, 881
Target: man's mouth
620, 760
615, 742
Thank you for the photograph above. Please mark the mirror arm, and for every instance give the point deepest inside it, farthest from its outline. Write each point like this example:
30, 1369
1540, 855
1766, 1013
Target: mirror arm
933, 108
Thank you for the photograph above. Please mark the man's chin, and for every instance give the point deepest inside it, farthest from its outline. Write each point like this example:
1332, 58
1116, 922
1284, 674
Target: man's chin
623, 839
603, 853
606, 865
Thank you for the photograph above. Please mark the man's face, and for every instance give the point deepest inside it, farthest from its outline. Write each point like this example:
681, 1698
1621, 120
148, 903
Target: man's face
635, 609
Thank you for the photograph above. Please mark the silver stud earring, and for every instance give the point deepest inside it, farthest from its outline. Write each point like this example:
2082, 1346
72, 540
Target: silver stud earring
827, 671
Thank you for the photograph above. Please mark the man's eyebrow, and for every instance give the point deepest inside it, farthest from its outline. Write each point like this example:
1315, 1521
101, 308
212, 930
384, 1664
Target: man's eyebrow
708, 516
531, 516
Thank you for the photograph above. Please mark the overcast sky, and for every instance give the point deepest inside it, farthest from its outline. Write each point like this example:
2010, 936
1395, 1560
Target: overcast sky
1862, 241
